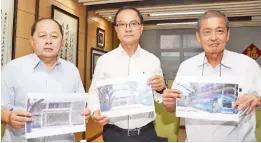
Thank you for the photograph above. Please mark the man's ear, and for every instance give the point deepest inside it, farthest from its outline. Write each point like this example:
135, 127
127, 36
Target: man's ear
228, 34
31, 41
115, 29
141, 29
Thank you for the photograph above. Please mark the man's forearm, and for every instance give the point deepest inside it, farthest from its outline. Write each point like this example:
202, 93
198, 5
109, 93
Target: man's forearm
5, 115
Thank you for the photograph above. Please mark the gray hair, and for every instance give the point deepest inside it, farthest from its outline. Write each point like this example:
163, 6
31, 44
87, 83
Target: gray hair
212, 13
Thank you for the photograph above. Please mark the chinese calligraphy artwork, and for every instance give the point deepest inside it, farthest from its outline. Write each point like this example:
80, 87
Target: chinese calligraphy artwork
7, 17
100, 38
95, 54
70, 26
252, 51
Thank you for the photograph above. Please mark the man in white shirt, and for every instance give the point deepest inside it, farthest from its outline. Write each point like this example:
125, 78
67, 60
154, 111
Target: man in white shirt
213, 33
128, 59
40, 72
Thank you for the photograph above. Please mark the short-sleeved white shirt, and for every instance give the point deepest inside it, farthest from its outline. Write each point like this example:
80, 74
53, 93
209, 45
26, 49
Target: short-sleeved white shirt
249, 75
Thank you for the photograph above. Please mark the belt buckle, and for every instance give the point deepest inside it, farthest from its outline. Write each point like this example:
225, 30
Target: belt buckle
135, 130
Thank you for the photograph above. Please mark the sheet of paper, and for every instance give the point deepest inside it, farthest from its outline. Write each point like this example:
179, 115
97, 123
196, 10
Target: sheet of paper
207, 98
125, 96
55, 114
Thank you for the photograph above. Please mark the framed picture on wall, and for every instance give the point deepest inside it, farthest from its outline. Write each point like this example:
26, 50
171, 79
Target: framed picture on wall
95, 54
8, 30
100, 38
70, 26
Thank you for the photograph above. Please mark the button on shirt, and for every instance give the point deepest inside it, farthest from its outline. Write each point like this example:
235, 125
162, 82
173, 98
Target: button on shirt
29, 74
234, 65
117, 63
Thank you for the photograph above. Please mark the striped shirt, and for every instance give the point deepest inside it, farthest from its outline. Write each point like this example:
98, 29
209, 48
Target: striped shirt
29, 74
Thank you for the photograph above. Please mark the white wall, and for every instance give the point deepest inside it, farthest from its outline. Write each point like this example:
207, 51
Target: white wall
241, 38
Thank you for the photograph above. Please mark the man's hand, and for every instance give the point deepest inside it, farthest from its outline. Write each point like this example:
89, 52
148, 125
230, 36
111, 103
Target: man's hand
17, 118
103, 120
247, 100
86, 113
169, 99
157, 82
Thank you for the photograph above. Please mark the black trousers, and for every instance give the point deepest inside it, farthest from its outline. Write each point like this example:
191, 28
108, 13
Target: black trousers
113, 134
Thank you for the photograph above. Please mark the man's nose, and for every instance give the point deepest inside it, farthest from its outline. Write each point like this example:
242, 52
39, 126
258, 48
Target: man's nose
213, 36
128, 28
48, 40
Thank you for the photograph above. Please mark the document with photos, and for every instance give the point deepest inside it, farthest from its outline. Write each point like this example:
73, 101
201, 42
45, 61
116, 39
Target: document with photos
125, 96
55, 114
208, 98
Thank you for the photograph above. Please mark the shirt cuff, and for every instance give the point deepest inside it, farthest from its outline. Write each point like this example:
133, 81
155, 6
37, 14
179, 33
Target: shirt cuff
158, 97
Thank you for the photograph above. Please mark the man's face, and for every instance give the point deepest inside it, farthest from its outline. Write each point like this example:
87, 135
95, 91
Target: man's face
213, 35
47, 39
130, 34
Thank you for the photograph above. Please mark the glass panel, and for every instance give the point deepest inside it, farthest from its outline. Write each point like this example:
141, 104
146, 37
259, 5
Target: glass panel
187, 55
170, 42
170, 62
190, 41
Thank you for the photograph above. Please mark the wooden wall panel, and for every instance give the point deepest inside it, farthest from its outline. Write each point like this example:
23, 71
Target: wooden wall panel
23, 47
81, 61
24, 22
27, 6
25, 19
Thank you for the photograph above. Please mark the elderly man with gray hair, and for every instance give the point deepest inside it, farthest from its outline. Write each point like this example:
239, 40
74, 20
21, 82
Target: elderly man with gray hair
213, 33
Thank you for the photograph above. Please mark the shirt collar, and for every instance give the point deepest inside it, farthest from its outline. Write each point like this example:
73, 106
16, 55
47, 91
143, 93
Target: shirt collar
224, 62
36, 61
123, 52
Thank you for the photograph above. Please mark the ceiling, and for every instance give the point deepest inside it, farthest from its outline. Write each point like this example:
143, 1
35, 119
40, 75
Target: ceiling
240, 12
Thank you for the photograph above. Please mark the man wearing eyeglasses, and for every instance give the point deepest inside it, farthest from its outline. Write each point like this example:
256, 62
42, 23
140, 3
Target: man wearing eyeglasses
213, 33
128, 59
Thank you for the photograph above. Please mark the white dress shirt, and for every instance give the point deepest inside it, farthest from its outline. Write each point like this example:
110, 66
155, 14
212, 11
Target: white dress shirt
29, 74
232, 65
117, 63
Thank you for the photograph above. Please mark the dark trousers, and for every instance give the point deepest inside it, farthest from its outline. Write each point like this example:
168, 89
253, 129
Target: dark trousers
112, 133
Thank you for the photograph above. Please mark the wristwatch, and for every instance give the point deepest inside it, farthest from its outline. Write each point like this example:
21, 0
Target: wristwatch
160, 92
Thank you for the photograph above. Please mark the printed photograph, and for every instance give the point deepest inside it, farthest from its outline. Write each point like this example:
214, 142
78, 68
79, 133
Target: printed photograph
208, 98
54, 116
125, 97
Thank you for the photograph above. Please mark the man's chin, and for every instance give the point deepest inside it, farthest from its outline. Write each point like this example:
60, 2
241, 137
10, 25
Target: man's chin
129, 42
49, 55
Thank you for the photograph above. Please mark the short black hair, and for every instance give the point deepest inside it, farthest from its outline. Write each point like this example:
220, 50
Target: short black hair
36, 22
128, 7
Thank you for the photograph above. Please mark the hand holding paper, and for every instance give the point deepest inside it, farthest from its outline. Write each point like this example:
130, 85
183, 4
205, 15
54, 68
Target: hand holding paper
169, 99
157, 82
103, 120
247, 100
18, 118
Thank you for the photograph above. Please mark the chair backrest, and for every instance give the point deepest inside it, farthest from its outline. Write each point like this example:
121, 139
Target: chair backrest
166, 124
2, 130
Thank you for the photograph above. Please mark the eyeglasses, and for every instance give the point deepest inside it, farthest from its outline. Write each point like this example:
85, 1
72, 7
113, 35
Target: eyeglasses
132, 25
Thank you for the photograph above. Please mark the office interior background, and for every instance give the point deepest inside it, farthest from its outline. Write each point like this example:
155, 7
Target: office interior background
171, 37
